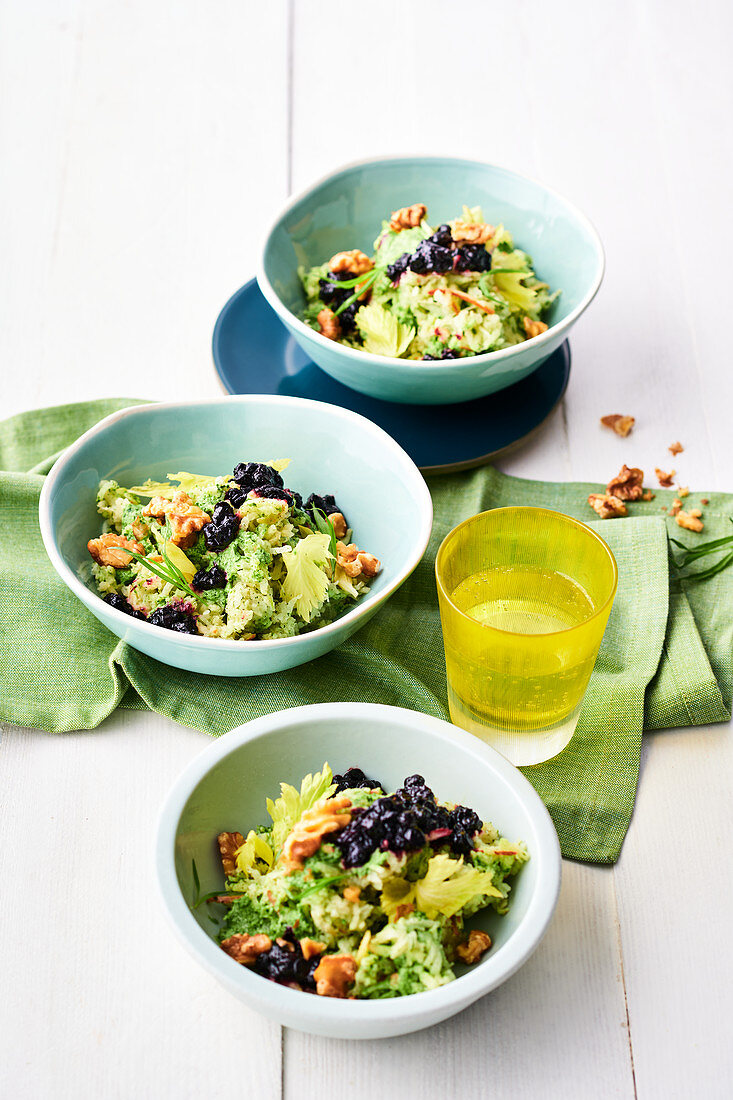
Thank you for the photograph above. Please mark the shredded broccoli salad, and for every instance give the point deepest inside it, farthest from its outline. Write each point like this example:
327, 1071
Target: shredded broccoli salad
352, 892
456, 291
238, 557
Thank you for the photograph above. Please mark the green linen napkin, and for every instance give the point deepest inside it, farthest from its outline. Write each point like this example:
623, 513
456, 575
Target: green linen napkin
665, 661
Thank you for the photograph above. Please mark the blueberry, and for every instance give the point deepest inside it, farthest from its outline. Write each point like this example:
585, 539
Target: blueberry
396, 270
285, 963
254, 474
334, 296
174, 618
272, 492
465, 823
121, 604
205, 579
353, 778
326, 503
472, 257
237, 495
429, 257
442, 236
347, 317
297, 498
223, 529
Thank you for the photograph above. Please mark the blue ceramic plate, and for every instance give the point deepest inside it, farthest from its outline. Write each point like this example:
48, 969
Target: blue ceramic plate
255, 353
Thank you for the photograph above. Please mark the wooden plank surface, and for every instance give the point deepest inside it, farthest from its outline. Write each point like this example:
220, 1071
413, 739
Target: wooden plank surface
144, 149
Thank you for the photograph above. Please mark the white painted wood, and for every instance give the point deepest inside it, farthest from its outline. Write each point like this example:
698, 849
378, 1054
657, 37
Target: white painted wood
144, 147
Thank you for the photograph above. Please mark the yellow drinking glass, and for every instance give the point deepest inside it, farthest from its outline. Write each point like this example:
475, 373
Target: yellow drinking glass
525, 595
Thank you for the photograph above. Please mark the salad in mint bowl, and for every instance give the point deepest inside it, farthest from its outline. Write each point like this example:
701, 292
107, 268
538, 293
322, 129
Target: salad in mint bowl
235, 537
429, 280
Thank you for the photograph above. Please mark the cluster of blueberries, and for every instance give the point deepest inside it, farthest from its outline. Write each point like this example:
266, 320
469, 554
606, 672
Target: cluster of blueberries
334, 296
287, 964
255, 477
436, 255
403, 822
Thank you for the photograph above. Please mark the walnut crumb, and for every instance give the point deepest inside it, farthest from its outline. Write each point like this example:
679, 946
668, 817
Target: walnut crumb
352, 893
683, 492
606, 505
627, 484
676, 448
665, 480
648, 495
621, 425
690, 520
311, 948
407, 217
477, 945
676, 505
704, 500
334, 974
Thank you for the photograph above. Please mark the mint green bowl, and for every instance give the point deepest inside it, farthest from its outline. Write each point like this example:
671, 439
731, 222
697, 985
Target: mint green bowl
225, 786
345, 210
332, 450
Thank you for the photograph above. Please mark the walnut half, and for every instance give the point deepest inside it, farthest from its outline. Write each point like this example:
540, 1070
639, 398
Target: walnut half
477, 945
355, 261
627, 484
690, 520
105, 550
407, 217
228, 845
306, 835
329, 324
334, 974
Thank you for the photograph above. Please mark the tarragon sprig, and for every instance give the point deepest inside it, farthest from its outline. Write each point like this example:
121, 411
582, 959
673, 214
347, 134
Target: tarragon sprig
324, 525
165, 570
693, 553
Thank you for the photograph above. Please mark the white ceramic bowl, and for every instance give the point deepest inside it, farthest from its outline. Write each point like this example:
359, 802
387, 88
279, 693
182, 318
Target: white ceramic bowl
224, 788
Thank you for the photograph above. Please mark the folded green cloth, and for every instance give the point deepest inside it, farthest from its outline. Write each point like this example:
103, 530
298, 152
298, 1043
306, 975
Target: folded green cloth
665, 661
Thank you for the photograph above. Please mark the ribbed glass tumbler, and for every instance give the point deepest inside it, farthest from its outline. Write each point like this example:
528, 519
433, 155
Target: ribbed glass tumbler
525, 595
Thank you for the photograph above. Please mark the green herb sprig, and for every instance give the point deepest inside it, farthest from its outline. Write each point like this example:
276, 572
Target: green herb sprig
324, 525
165, 570
694, 553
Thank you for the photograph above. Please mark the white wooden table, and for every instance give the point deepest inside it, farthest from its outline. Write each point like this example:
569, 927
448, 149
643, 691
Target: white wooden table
145, 146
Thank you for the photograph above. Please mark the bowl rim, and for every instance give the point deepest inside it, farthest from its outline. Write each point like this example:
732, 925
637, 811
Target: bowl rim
446, 366
274, 999
371, 600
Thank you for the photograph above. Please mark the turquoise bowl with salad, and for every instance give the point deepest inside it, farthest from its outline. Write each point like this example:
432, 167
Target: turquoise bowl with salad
355, 870
238, 536
429, 280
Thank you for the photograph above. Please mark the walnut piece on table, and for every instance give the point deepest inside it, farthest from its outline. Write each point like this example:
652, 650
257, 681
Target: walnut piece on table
665, 479
407, 217
334, 974
244, 949
676, 448
648, 495
228, 845
478, 944
675, 507
690, 520
606, 505
627, 484
621, 425
105, 550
